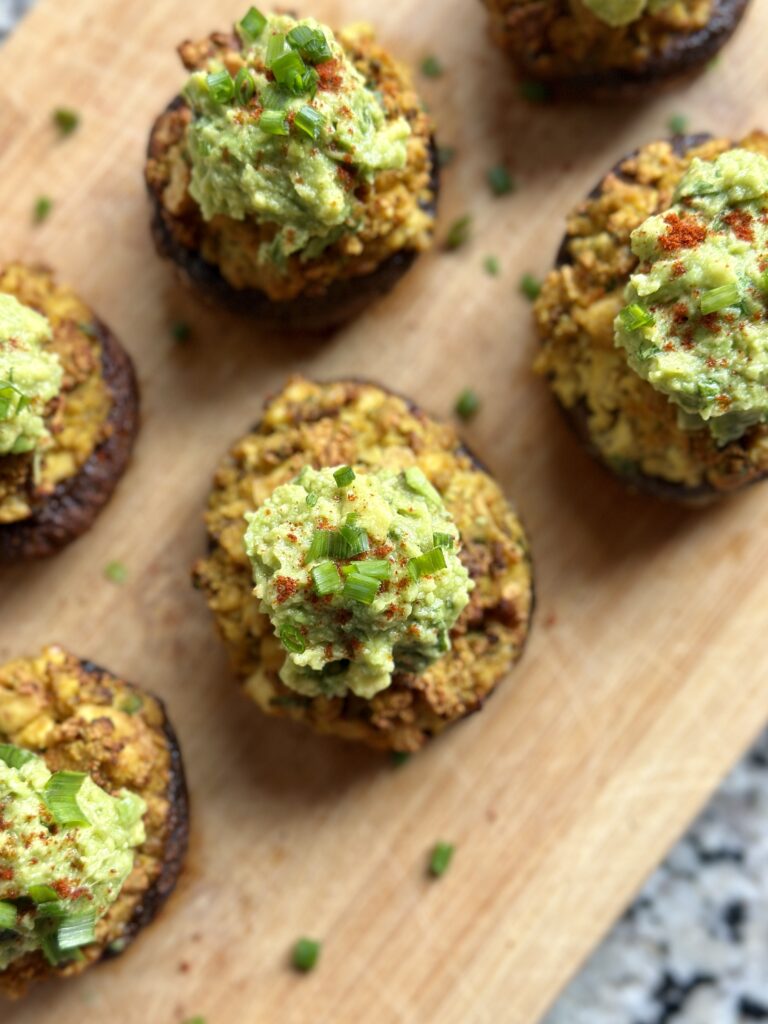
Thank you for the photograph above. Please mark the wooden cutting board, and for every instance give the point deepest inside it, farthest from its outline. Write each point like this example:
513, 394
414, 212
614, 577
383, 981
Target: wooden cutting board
646, 675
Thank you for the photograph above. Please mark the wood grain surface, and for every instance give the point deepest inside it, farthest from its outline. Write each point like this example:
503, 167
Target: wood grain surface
647, 673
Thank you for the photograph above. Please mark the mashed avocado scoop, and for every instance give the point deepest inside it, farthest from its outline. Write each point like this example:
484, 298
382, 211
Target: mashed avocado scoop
30, 376
289, 138
360, 575
623, 12
66, 848
696, 321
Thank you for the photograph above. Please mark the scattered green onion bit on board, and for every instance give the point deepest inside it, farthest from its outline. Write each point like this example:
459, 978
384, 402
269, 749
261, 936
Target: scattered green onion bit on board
459, 232
221, 87
326, 579
274, 122
116, 572
445, 155
181, 331
427, 564
344, 476
440, 859
678, 124
291, 639
633, 317
399, 757
305, 954
252, 25
467, 404
442, 540
8, 916
60, 795
245, 86
15, 757
66, 120
432, 67
309, 121
42, 209
720, 298
530, 286
500, 181
195, 1020
492, 266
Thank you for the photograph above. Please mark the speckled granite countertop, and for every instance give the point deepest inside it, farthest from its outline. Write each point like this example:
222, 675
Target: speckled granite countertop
693, 947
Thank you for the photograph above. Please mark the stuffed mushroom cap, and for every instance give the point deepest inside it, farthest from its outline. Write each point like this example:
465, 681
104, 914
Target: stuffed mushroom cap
68, 413
611, 48
368, 577
294, 178
93, 816
653, 324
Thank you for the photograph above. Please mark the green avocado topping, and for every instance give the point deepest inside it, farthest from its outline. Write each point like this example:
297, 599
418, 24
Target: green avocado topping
359, 583
30, 376
696, 321
66, 848
622, 12
287, 140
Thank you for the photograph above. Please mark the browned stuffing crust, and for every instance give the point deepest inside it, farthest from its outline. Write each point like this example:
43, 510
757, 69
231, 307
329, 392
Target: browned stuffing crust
397, 211
80, 717
92, 423
626, 424
562, 44
365, 426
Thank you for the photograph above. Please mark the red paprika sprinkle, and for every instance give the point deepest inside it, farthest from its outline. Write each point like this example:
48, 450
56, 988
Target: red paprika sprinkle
682, 233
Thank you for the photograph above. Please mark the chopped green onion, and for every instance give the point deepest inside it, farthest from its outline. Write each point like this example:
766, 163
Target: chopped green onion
8, 915
458, 233
12, 399
467, 404
445, 155
221, 88
245, 86
274, 122
312, 499
181, 331
320, 545
530, 286
132, 704
427, 564
310, 121
417, 481
361, 588
195, 1020
376, 568
276, 47
289, 71
47, 933
66, 120
432, 67
55, 910
311, 44
678, 124
399, 757
77, 930
443, 540
291, 639
492, 266
326, 579
14, 756
116, 572
534, 92
344, 476
42, 209
720, 298
440, 859
500, 181
349, 541
634, 317
42, 893
305, 954
252, 25
60, 795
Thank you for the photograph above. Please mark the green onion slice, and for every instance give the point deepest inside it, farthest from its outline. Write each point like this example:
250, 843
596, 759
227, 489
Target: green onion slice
361, 588
311, 44
221, 88
326, 579
720, 298
252, 25
274, 122
276, 47
500, 181
289, 71
320, 545
245, 86
61, 797
291, 639
15, 757
344, 476
530, 286
354, 541
66, 120
42, 893
418, 482
458, 233
309, 121
442, 540
428, 563
305, 954
77, 930
440, 859
312, 499
634, 317
467, 404
8, 916
376, 568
